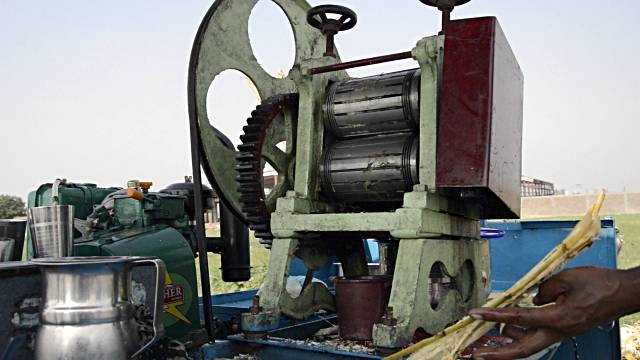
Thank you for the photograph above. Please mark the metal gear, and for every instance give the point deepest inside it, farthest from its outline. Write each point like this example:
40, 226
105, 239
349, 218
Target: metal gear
255, 204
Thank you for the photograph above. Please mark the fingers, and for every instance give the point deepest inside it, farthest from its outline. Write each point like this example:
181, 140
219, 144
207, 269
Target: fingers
514, 332
550, 290
533, 317
532, 342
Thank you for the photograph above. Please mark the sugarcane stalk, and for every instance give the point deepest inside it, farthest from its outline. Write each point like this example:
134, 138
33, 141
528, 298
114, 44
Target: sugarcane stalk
449, 342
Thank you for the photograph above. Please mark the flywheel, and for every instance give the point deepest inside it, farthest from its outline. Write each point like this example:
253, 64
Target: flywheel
222, 43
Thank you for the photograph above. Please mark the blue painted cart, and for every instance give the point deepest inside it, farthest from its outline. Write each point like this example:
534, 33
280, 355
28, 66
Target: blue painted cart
522, 246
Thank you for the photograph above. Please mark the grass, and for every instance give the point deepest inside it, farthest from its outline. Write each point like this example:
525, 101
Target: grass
259, 263
629, 226
629, 257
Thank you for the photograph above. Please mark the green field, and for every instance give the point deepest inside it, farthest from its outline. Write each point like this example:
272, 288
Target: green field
629, 257
259, 263
630, 229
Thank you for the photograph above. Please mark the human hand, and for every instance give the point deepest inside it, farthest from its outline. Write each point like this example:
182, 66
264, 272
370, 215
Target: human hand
575, 300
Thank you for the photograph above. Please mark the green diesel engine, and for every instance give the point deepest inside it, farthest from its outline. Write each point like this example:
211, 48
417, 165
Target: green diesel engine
137, 222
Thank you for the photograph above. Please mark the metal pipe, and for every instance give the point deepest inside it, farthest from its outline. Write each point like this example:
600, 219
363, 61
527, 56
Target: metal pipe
235, 260
361, 62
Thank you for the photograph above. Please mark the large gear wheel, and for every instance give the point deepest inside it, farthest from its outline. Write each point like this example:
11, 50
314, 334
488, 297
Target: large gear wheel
267, 128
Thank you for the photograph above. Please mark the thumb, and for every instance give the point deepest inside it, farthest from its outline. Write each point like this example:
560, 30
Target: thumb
550, 290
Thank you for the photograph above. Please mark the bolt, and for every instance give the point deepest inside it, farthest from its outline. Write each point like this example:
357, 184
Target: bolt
255, 306
235, 328
389, 311
387, 318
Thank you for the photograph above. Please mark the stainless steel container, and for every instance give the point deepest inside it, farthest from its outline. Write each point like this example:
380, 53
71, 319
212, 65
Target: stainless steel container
11, 239
87, 311
7, 248
51, 230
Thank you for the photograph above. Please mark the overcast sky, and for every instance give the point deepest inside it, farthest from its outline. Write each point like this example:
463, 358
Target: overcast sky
95, 91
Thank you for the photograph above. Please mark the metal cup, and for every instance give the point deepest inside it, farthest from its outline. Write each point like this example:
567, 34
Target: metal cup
11, 239
51, 230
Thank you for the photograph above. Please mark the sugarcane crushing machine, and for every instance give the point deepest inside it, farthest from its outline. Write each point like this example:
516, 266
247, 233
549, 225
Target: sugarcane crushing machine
413, 158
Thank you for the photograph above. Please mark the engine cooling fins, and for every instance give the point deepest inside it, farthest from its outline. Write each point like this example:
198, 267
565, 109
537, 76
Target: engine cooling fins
249, 163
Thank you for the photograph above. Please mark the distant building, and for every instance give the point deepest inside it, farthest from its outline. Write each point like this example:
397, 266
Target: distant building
535, 187
269, 181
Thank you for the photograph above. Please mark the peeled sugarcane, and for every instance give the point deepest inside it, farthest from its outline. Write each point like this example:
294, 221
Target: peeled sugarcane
451, 341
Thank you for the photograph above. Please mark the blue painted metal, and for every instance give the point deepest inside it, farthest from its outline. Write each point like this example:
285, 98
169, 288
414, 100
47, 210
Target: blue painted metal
261, 322
285, 349
372, 251
325, 274
12, 348
305, 329
228, 307
527, 242
522, 246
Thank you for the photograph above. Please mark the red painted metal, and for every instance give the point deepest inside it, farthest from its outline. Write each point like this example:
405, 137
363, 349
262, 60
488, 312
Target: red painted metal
479, 146
360, 303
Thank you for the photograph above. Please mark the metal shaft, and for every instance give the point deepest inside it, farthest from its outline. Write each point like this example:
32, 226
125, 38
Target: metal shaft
446, 17
361, 62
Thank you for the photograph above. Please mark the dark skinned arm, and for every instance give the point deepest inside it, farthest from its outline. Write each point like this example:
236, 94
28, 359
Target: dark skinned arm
570, 303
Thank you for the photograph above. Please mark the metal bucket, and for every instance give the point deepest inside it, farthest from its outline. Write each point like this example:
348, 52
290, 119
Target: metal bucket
88, 311
361, 302
51, 230
11, 239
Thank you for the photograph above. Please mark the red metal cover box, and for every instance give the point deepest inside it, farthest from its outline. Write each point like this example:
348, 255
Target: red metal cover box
479, 150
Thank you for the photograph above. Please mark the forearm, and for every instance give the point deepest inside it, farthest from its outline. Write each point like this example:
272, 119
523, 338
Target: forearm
628, 294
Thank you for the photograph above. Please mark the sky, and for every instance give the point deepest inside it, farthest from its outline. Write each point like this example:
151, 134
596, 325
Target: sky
95, 91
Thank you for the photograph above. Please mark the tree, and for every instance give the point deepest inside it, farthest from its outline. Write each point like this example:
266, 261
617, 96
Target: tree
11, 206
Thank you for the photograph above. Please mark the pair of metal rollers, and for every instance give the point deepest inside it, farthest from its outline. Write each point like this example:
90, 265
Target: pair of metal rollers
373, 121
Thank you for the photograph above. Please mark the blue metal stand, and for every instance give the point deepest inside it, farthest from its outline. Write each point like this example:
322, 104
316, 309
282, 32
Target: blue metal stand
524, 244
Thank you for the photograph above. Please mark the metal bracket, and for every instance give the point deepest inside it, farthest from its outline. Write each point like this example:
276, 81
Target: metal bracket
413, 292
429, 52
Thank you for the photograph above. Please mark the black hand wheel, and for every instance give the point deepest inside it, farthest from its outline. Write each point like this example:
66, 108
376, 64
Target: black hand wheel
444, 5
346, 21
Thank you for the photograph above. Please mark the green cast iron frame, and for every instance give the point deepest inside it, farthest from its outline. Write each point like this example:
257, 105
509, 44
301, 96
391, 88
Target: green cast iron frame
430, 228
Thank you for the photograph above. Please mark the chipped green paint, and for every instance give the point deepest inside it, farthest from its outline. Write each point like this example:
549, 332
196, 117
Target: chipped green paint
425, 225
410, 297
225, 45
428, 52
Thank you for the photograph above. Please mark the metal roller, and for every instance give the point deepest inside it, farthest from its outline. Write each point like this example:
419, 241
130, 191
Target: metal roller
376, 169
374, 105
